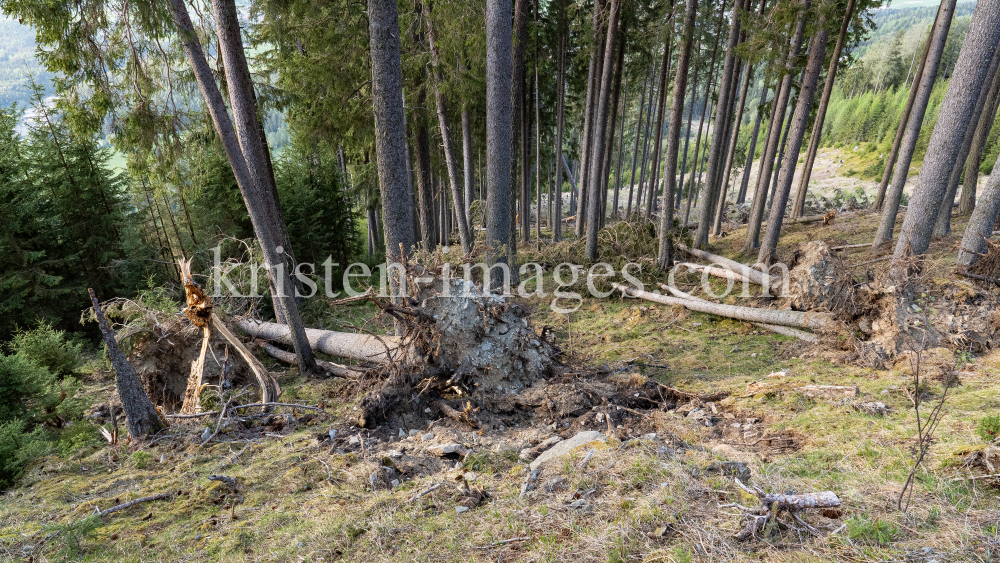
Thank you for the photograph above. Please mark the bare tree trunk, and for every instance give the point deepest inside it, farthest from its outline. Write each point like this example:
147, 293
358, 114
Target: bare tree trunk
661, 108
467, 164
263, 215
975, 153
773, 133
616, 91
560, 120
141, 417
687, 133
980, 227
451, 160
717, 148
799, 122
692, 184
645, 140
594, 75
519, 41
599, 138
538, 140
890, 161
621, 139
638, 137
954, 117
734, 137
425, 194
498, 128
817, 129
916, 119
942, 226
665, 256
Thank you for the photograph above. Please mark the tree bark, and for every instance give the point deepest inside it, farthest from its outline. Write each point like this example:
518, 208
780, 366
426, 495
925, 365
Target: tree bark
519, 40
467, 164
665, 255
538, 140
800, 120
980, 227
734, 136
748, 165
451, 161
687, 133
717, 148
141, 417
975, 153
361, 347
890, 208
621, 139
594, 73
263, 216
942, 226
773, 134
645, 140
498, 129
599, 138
817, 128
425, 192
956, 111
616, 91
702, 125
890, 161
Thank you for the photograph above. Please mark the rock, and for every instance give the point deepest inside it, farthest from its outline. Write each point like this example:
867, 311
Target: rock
414, 433
461, 509
566, 446
427, 410
829, 392
394, 453
427, 437
401, 433
333, 434
206, 434
731, 469
447, 449
578, 503
394, 483
354, 440
650, 436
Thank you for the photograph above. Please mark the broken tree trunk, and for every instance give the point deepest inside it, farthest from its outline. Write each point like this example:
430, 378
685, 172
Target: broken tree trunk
784, 317
330, 367
343, 344
755, 276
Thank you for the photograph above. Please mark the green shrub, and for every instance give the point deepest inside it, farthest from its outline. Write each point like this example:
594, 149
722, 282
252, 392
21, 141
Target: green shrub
46, 347
21, 383
988, 427
18, 447
79, 437
141, 459
873, 531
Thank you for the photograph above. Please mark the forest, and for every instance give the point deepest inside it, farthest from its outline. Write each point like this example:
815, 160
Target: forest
610, 280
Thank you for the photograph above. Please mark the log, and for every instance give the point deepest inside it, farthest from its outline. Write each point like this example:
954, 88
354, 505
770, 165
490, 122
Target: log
849, 246
783, 317
270, 390
782, 330
795, 503
755, 276
342, 344
330, 367
132, 503
717, 272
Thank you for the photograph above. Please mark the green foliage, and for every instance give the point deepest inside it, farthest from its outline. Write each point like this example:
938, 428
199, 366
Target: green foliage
72, 535
141, 459
80, 436
873, 531
988, 427
22, 384
49, 348
18, 447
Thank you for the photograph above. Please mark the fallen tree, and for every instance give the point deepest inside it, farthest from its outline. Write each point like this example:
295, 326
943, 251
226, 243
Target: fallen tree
783, 317
755, 276
362, 347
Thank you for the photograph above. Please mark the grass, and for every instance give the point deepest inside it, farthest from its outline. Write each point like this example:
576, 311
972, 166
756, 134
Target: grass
644, 500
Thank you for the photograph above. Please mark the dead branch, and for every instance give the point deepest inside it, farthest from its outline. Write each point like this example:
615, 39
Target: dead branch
755, 276
132, 503
425, 491
795, 503
464, 416
849, 246
972, 276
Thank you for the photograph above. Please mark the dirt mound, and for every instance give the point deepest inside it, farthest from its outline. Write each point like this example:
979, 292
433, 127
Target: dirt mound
880, 320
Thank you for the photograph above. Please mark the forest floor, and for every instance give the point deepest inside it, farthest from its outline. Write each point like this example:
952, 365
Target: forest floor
651, 492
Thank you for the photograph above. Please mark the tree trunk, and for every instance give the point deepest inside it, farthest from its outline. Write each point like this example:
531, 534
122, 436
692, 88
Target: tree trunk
560, 120
467, 165
638, 137
141, 417
687, 133
425, 194
361, 347
451, 160
665, 256
800, 120
890, 161
916, 119
498, 129
519, 40
975, 153
594, 74
262, 216
734, 137
748, 165
616, 91
954, 117
661, 108
980, 227
942, 226
773, 133
645, 140
538, 140
621, 139
599, 138
824, 101
717, 148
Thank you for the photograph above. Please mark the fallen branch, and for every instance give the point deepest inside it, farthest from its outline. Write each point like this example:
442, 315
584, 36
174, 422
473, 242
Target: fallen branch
425, 491
784, 317
341, 344
717, 272
795, 503
289, 358
849, 246
465, 417
504, 542
132, 503
883, 258
972, 276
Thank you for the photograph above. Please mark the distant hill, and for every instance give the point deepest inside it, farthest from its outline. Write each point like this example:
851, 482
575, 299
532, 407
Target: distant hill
17, 62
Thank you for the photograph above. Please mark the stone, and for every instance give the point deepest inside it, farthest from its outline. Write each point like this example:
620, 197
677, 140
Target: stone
650, 436
394, 453
427, 437
578, 503
206, 434
567, 446
354, 440
461, 509
731, 469
333, 434
401, 433
394, 482
554, 484
414, 433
